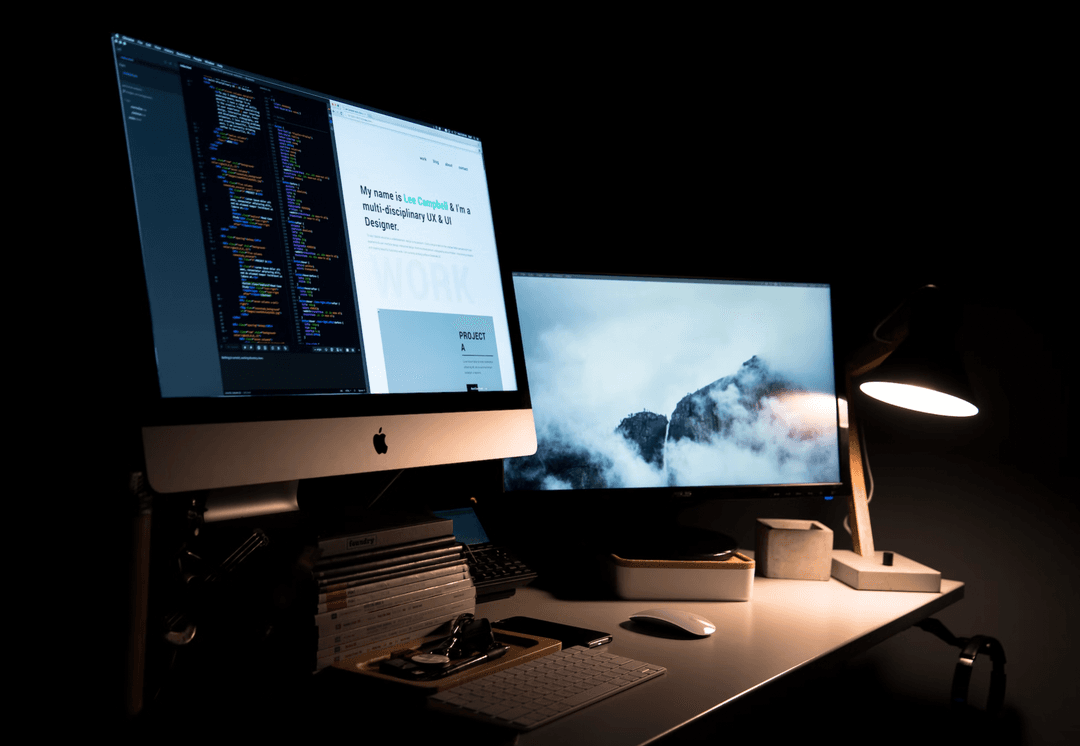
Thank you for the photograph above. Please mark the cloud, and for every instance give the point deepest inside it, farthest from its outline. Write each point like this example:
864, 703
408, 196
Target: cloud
760, 447
743, 430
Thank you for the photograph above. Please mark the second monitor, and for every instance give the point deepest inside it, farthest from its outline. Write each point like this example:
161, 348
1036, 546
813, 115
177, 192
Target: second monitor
691, 386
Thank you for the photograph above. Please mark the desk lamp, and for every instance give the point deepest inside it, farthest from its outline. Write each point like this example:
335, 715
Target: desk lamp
913, 363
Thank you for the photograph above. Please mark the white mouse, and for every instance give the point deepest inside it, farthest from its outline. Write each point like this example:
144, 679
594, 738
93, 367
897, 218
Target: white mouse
686, 621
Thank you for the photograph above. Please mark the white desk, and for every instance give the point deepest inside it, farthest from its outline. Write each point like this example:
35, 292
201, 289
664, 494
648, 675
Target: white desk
787, 625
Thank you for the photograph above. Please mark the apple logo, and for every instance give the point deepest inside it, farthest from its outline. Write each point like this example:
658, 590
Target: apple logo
380, 442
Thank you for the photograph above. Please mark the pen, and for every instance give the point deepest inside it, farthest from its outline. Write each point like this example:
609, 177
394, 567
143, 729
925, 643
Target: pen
469, 663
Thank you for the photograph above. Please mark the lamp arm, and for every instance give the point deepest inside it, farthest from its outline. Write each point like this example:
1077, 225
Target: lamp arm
874, 354
896, 327
862, 536
863, 361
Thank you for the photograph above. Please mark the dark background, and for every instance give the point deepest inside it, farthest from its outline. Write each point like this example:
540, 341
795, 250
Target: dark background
882, 156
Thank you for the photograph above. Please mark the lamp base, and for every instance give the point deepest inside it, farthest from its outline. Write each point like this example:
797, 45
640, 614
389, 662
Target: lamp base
865, 574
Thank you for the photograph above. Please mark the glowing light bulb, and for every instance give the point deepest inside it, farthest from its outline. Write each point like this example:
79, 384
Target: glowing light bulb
918, 398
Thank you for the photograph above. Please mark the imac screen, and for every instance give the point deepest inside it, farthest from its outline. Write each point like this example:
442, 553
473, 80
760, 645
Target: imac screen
649, 382
305, 258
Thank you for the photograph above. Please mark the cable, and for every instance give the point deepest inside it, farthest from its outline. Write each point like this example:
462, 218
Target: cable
867, 471
384, 489
877, 328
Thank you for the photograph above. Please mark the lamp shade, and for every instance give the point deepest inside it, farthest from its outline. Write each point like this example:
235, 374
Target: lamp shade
925, 372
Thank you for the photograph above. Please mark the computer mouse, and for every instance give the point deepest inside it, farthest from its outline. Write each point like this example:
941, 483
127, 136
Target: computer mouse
676, 619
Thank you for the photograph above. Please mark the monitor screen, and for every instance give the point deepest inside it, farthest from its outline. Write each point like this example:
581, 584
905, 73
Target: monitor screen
323, 284
682, 384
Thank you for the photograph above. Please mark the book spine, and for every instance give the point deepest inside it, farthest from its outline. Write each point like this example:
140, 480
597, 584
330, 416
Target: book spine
416, 559
348, 559
360, 594
387, 627
389, 607
369, 576
331, 546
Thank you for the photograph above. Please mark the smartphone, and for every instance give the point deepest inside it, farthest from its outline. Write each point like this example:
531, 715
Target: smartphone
567, 634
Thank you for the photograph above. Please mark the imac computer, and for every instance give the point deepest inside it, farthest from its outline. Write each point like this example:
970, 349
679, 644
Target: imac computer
324, 291
678, 390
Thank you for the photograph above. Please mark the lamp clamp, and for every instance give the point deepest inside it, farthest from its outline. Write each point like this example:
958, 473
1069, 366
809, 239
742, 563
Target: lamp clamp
970, 648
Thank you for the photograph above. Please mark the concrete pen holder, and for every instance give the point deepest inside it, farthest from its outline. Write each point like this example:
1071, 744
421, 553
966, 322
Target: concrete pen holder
794, 549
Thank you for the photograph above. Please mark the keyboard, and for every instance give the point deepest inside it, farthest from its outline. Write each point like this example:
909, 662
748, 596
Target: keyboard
495, 571
539, 691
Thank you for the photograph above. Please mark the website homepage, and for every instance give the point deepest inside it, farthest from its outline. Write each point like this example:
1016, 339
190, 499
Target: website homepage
423, 254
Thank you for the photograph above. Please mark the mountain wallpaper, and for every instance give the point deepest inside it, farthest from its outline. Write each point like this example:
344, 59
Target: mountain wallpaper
739, 429
655, 384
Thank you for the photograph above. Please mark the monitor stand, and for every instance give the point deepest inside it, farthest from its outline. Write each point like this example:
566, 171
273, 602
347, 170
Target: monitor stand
251, 500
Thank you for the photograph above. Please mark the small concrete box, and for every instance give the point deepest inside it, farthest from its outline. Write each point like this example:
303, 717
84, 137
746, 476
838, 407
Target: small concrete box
793, 549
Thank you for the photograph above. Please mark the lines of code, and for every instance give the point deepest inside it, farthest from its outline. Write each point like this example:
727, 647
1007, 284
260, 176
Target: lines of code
318, 310
244, 255
275, 237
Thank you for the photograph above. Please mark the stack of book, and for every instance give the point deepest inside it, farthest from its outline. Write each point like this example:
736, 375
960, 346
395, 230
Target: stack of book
379, 588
